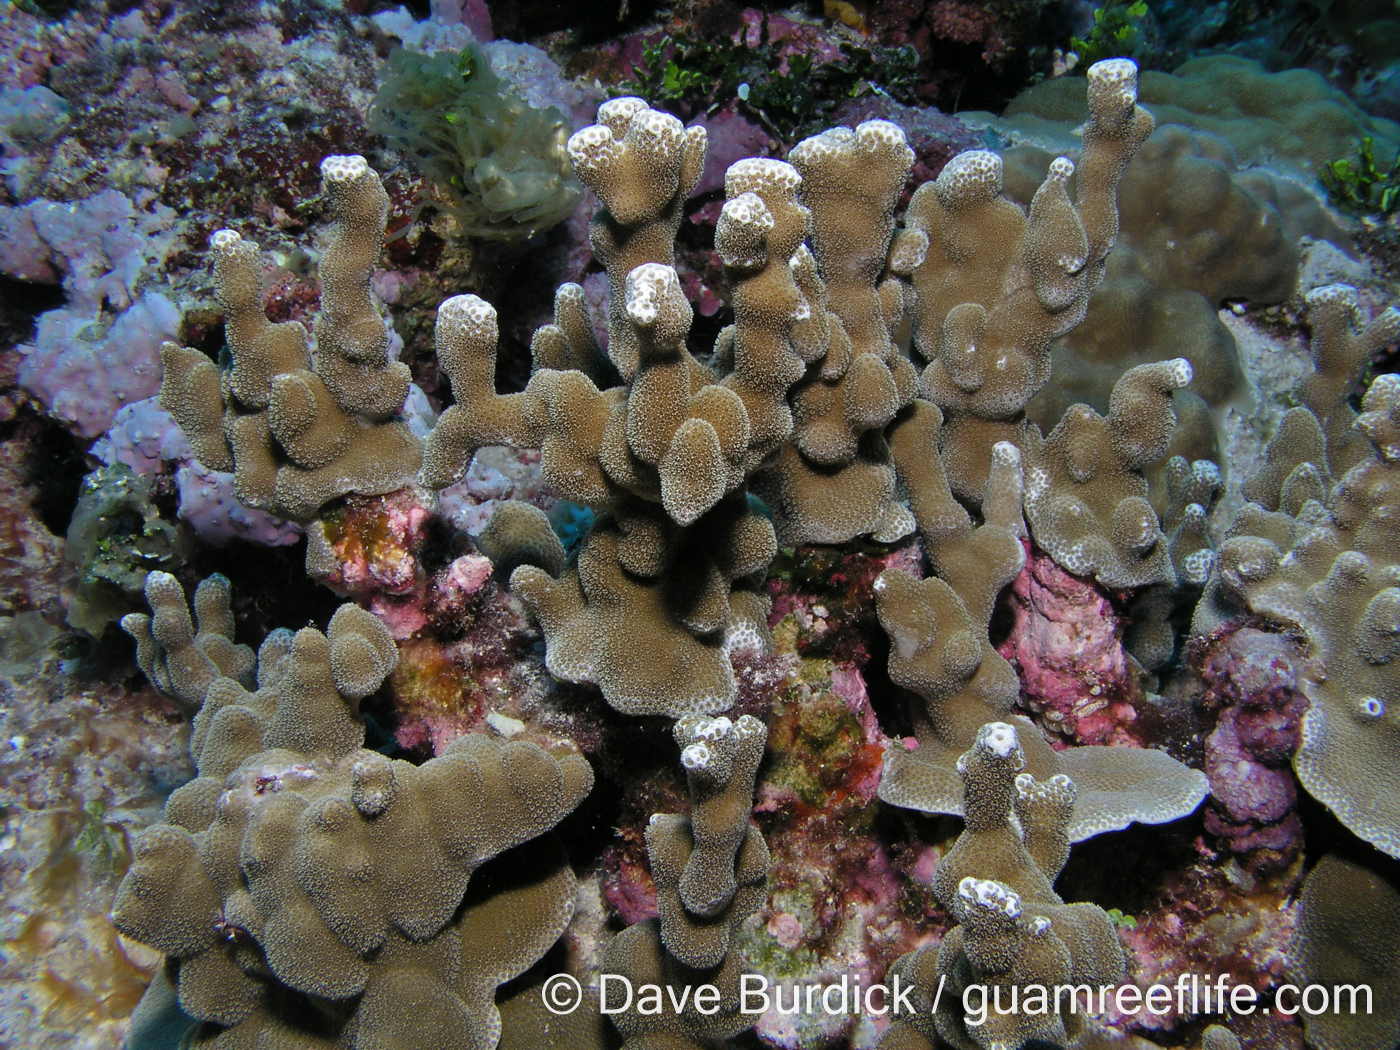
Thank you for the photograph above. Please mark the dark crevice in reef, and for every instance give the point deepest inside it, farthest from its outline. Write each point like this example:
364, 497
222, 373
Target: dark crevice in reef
268, 587
890, 703
527, 19
586, 831
1325, 835
55, 466
20, 303
1123, 869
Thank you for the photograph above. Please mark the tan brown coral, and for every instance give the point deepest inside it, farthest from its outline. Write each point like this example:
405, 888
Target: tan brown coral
300, 868
660, 590
1345, 943
1086, 496
998, 284
1315, 553
940, 649
711, 873
298, 436
834, 481
1014, 930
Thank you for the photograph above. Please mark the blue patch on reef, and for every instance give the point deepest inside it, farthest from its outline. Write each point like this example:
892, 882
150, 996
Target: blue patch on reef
571, 523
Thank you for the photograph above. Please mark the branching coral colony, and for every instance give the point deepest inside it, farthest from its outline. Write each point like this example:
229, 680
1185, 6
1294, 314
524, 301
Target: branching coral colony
302, 880
308, 892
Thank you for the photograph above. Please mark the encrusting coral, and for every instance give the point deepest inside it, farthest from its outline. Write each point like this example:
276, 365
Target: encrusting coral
1313, 552
305, 889
1013, 929
711, 873
1345, 937
296, 435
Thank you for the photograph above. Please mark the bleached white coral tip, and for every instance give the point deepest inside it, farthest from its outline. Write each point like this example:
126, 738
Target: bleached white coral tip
344, 168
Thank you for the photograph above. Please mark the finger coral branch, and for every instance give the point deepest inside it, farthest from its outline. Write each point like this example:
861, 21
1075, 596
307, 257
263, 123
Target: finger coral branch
300, 868
296, 435
1014, 931
1314, 555
711, 873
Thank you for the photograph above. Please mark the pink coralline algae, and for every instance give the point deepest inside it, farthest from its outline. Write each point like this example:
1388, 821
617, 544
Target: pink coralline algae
473, 672
1214, 919
373, 544
787, 38
628, 887
837, 896
1251, 678
1067, 644
732, 137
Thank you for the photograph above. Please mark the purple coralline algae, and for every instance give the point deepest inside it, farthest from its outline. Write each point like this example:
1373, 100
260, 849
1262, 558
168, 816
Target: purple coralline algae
1066, 643
100, 350
146, 439
1252, 681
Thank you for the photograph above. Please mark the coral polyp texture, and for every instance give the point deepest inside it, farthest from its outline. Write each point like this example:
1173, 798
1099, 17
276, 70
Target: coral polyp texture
941, 651
962, 546
1350, 913
1013, 931
661, 590
1313, 553
711, 871
296, 434
305, 889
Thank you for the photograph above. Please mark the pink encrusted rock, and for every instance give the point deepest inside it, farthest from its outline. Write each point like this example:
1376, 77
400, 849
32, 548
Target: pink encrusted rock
849, 684
172, 89
466, 575
374, 539
787, 38
373, 545
732, 137
1247, 789
628, 887
1251, 677
1067, 645
481, 679
785, 929
1250, 667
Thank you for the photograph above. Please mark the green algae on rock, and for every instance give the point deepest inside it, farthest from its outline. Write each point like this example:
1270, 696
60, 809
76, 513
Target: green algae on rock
499, 161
